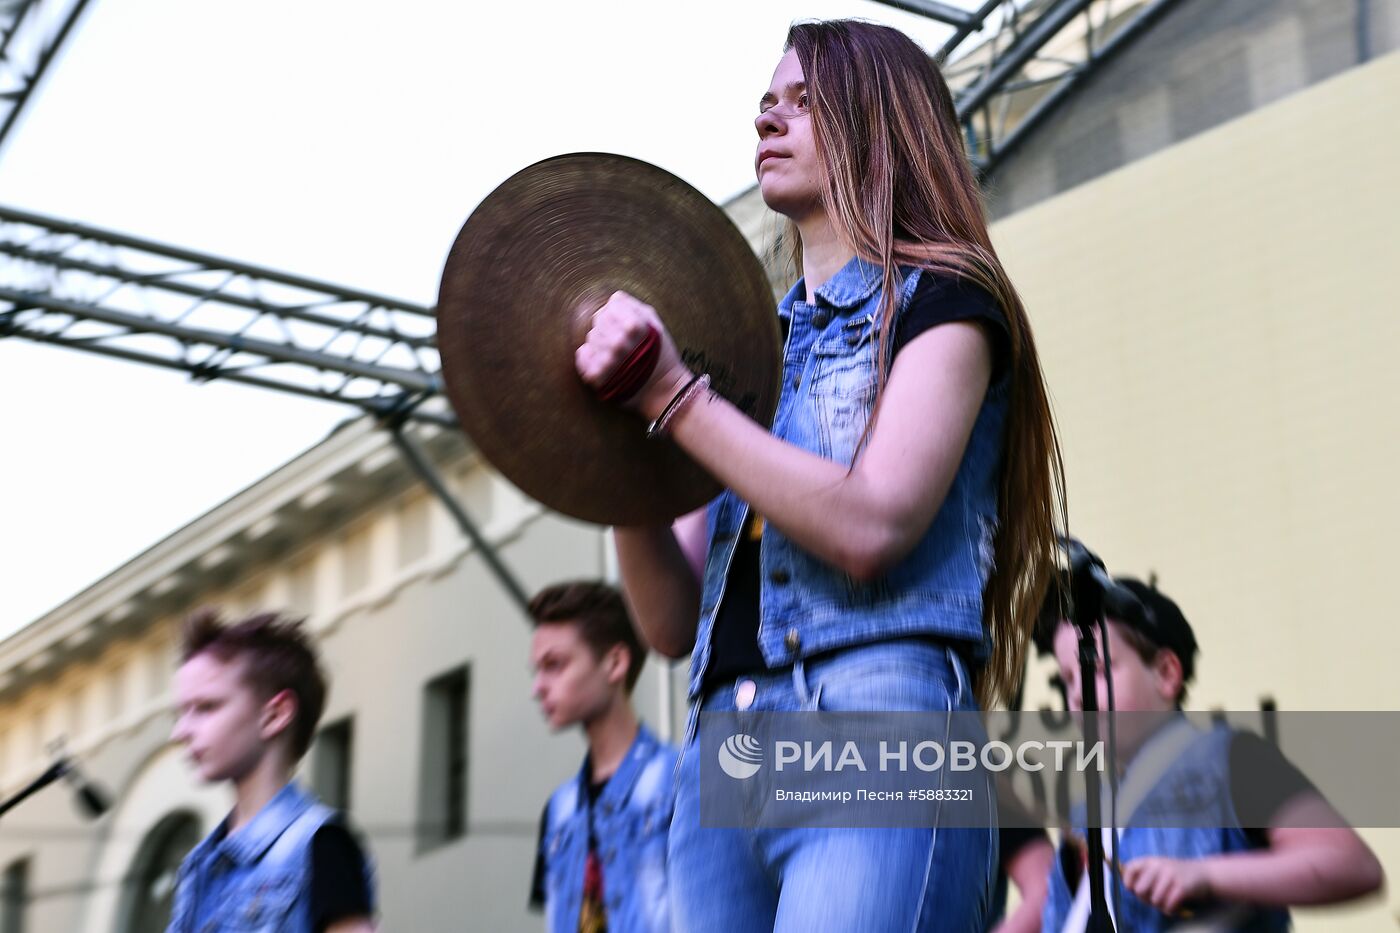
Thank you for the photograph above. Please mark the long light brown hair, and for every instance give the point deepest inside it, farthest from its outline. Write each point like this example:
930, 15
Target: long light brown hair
900, 192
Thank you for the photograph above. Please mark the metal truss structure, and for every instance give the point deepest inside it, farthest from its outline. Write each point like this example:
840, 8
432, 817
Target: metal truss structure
70, 285
31, 31
1036, 53
1010, 62
115, 295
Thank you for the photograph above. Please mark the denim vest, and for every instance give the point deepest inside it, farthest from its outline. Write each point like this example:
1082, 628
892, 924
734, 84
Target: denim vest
632, 816
1202, 774
806, 606
266, 868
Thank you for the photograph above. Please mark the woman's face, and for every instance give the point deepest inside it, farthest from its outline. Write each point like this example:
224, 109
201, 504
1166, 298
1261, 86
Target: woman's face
787, 164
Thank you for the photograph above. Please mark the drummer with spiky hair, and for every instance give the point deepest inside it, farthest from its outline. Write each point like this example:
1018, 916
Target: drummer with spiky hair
248, 695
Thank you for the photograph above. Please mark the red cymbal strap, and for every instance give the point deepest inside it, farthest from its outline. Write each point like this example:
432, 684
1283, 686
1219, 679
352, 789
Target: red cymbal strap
633, 372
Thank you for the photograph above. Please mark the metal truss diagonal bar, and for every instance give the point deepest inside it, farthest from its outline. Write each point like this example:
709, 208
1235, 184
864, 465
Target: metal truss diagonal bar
31, 32
974, 23
1045, 28
943, 12
433, 481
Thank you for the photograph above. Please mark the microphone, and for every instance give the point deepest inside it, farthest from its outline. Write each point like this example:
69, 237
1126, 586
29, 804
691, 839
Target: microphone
1091, 582
92, 799
1084, 561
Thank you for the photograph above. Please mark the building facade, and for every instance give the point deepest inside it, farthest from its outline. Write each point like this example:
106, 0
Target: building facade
1206, 255
430, 738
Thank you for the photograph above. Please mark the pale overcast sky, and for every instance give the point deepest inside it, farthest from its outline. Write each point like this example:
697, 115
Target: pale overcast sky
336, 139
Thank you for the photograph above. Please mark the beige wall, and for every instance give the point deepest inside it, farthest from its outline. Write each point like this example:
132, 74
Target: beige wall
397, 596
1219, 328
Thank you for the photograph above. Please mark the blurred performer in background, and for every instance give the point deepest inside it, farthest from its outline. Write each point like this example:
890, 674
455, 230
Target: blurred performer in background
886, 546
248, 697
601, 862
1279, 843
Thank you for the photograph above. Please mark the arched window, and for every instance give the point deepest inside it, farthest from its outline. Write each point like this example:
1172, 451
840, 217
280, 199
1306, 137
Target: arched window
151, 883
14, 896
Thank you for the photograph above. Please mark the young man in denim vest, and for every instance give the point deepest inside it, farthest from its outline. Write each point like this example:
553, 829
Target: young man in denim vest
601, 862
1224, 877
248, 697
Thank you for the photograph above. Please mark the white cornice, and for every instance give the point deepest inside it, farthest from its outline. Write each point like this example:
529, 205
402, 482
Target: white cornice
273, 513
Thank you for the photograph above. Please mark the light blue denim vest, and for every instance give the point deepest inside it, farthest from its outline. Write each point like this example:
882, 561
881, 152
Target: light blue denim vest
632, 816
806, 606
269, 861
1202, 775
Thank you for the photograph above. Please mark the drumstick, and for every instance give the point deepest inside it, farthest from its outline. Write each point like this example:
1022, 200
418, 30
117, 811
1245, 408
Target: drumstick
1082, 845
632, 373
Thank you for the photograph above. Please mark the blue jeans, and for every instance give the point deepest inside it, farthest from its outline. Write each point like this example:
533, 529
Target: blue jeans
725, 880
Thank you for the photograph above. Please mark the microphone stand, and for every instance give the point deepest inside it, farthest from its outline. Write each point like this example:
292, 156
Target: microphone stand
1088, 598
55, 772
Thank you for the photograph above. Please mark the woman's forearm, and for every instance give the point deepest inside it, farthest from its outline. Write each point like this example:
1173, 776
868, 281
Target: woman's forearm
863, 517
661, 586
859, 517
830, 511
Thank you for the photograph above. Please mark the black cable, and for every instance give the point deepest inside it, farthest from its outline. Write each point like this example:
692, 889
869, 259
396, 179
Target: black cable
1112, 764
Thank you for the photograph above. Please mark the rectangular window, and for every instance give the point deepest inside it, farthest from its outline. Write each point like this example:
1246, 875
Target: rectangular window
442, 793
331, 757
14, 897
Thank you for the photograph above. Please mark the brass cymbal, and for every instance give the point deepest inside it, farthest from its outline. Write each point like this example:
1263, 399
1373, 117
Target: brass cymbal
534, 260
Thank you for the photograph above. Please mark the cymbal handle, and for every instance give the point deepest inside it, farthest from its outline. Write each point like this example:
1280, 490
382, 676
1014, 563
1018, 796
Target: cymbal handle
633, 372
